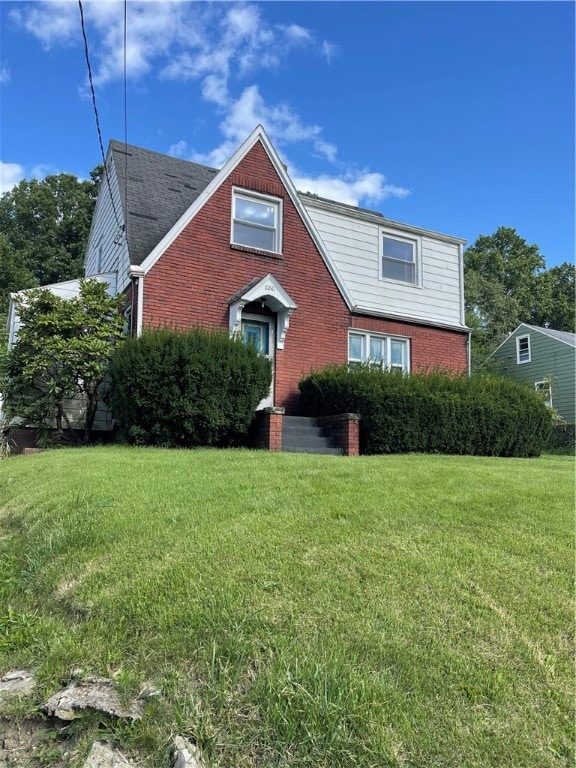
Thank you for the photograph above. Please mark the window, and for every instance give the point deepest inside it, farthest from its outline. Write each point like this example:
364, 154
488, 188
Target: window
523, 349
399, 259
256, 221
545, 389
379, 351
256, 333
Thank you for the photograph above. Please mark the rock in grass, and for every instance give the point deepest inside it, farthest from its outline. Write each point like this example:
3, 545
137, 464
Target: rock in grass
94, 693
186, 755
20, 682
102, 755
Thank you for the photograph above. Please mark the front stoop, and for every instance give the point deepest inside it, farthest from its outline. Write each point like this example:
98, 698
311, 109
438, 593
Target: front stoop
301, 434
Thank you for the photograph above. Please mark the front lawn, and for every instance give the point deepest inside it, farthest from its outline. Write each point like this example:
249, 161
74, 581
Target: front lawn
298, 610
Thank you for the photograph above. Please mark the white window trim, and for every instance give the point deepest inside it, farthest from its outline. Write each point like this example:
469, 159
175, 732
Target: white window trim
247, 194
545, 386
416, 242
367, 335
518, 340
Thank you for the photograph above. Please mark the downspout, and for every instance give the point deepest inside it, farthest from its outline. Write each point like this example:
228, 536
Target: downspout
463, 311
136, 274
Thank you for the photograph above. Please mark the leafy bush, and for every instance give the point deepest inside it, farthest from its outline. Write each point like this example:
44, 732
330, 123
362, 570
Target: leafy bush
186, 388
432, 412
562, 440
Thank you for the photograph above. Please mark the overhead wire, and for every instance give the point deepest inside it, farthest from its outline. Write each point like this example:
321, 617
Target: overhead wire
120, 226
125, 119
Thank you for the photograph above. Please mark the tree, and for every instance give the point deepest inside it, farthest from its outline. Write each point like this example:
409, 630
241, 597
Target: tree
13, 275
46, 225
505, 284
63, 351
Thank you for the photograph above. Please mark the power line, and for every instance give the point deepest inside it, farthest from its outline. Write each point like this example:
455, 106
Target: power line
125, 120
90, 80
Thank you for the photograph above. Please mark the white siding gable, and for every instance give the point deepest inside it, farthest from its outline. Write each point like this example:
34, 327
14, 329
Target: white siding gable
354, 243
107, 250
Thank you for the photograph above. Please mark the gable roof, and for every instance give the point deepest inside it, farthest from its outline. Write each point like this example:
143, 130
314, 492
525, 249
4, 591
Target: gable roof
564, 336
158, 189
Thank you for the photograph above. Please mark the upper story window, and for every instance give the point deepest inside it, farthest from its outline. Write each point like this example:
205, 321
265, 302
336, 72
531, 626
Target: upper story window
257, 221
399, 259
379, 351
523, 349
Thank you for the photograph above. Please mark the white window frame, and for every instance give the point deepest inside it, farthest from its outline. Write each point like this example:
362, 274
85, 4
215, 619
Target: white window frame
275, 202
263, 320
545, 387
415, 242
519, 339
365, 358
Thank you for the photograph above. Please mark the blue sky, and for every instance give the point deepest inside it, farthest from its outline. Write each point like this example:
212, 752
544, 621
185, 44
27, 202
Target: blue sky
453, 116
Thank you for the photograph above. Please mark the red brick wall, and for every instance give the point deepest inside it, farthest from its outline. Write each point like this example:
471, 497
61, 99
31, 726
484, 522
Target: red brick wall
194, 279
192, 282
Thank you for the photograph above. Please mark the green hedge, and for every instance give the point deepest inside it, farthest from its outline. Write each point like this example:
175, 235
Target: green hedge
432, 413
562, 440
186, 388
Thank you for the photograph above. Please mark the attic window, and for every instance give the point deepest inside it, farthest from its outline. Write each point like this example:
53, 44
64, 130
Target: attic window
523, 349
256, 221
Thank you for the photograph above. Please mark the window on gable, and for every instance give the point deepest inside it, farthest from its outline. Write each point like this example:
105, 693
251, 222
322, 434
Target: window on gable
523, 349
379, 351
399, 259
257, 221
545, 389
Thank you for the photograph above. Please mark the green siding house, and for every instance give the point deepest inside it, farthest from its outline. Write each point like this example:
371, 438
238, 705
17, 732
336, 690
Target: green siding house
546, 359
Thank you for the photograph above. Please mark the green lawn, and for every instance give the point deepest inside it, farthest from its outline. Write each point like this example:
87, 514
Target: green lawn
300, 610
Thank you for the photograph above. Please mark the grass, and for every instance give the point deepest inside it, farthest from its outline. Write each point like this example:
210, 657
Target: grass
302, 611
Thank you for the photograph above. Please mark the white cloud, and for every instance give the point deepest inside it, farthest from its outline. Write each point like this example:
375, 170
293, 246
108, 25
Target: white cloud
10, 175
4, 74
353, 187
217, 45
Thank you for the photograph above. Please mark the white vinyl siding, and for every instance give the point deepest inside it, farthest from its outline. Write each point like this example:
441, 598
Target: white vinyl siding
355, 246
106, 250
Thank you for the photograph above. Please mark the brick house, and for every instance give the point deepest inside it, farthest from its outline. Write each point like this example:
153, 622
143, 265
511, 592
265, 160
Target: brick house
310, 281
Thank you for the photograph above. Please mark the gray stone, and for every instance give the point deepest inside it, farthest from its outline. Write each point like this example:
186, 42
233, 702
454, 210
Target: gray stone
186, 755
102, 755
94, 693
20, 682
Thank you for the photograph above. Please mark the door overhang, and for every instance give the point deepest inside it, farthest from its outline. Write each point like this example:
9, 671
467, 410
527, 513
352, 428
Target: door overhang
272, 295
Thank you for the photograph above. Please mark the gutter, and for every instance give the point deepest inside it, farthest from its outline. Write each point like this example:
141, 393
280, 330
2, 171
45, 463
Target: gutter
136, 275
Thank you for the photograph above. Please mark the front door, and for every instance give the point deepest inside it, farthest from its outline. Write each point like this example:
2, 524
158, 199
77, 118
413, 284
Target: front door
258, 331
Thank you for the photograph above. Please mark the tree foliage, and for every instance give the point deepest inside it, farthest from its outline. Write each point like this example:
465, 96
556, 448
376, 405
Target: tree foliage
45, 227
506, 283
62, 351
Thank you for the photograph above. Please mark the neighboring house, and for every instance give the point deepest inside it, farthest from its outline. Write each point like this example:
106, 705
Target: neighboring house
545, 359
310, 281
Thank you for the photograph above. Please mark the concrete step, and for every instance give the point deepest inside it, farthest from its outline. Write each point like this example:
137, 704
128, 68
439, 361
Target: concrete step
301, 434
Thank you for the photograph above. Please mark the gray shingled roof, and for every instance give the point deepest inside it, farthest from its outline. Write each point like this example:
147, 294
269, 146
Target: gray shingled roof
565, 336
160, 189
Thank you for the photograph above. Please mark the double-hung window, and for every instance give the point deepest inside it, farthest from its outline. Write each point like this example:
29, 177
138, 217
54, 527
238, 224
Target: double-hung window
379, 351
399, 259
523, 349
256, 221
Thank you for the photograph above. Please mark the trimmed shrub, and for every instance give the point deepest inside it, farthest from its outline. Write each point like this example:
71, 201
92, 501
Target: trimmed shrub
186, 388
432, 412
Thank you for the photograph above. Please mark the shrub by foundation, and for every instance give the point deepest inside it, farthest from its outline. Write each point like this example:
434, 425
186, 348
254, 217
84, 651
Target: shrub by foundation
186, 388
432, 412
